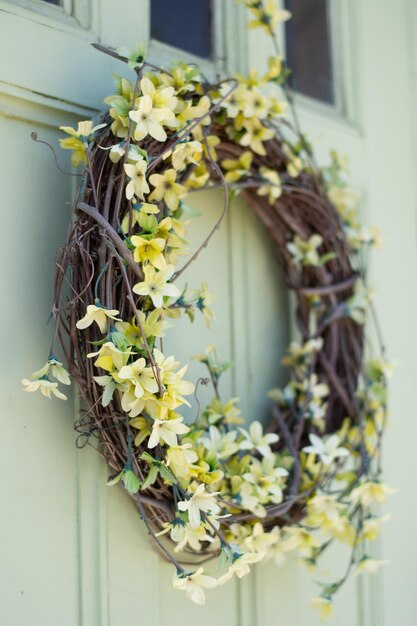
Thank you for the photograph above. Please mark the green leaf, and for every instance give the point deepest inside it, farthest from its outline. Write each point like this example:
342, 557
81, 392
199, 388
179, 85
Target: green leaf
108, 393
115, 479
167, 474
327, 257
189, 210
148, 222
121, 107
151, 477
191, 314
131, 481
145, 456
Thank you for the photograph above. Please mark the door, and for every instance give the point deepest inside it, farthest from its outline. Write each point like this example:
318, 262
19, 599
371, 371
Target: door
74, 551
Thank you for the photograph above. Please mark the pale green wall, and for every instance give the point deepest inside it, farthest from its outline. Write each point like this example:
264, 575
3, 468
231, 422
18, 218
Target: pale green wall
72, 551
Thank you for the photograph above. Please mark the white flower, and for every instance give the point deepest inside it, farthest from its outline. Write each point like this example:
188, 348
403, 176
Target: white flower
142, 377
193, 585
260, 541
324, 606
240, 566
249, 499
138, 185
367, 564
179, 458
255, 439
370, 492
99, 315
184, 535
327, 450
46, 387
199, 501
223, 445
167, 431
267, 479
55, 369
305, 252
149, 120
156, 285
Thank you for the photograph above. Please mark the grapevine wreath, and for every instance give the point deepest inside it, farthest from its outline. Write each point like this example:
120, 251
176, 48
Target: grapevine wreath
212, 487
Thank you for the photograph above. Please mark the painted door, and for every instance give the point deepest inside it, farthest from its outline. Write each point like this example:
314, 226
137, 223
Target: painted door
73, 551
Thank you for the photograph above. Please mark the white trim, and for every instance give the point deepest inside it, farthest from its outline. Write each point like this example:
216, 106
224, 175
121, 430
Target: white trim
71, 15
23, 104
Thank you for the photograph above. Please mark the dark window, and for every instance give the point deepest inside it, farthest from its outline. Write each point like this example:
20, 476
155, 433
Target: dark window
308, 47
185, 24
58, 2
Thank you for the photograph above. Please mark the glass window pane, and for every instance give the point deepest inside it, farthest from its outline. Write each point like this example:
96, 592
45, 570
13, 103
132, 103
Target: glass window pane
184, 24
308, 47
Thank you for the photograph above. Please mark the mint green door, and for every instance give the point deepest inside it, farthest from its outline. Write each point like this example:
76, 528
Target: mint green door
73, 552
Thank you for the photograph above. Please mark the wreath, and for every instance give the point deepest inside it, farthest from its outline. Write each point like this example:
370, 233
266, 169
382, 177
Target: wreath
212, 487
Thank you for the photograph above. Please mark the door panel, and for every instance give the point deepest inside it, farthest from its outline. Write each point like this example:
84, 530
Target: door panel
75, 551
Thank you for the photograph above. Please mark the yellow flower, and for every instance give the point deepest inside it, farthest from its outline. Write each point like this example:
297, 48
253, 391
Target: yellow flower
149, 250
156, 286
295, 164
79, 140
324, 606
260, 541
55, 369
198, 177
138, 208
203, 299
267, 478
369, 493
367, 564
371, 527
272, 187
201, 500
162, 98
240, 566
222, 444
256, 105
138, 184
237, 168
255, 135
328, 450
142, 426
120, 105
184, 153
268, 16
182, 77
300, 538
209, 145
184, 535
229, 413
153, 325
166, 431
148, 120
110, 358
193, 585
274, 68
98, 314
167, 189
189, 111
179, 459
140, 376
134, 406
305, 251
45, 386
234, 102
255, 439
